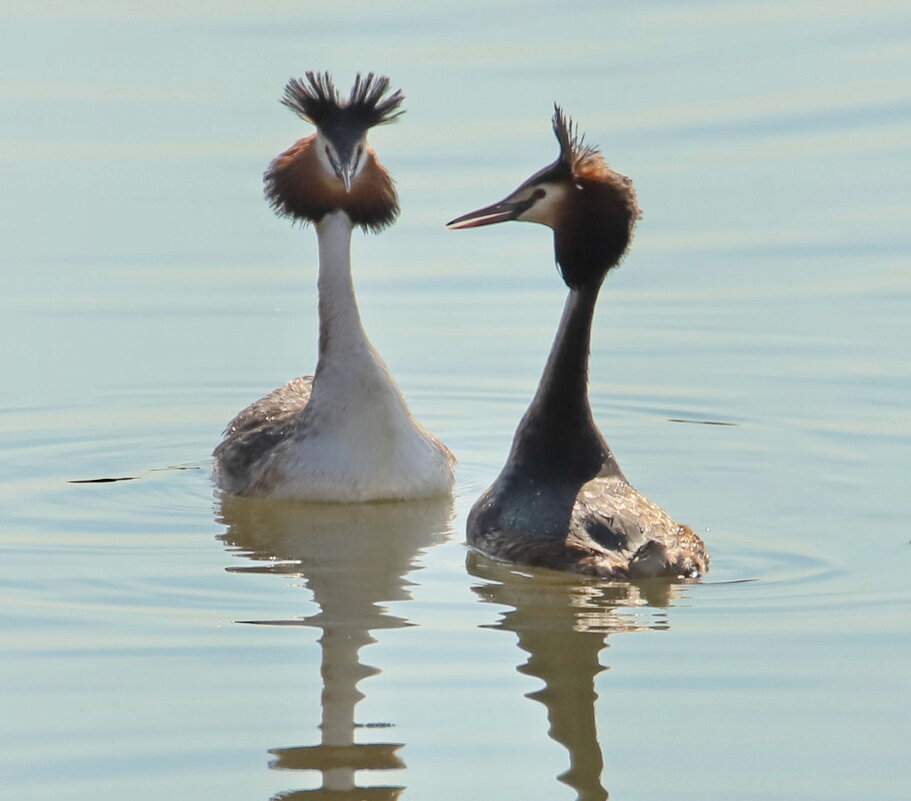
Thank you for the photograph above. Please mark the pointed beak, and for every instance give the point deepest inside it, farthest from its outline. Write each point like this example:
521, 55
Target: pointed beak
346, 173
499, 212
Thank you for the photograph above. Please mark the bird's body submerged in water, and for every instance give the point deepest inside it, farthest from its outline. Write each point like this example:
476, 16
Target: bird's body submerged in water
345, 434
562, 501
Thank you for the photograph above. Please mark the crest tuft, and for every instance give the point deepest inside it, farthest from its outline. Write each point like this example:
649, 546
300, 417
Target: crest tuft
317, 100
575, 155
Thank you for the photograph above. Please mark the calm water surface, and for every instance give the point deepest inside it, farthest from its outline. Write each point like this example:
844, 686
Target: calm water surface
162, 642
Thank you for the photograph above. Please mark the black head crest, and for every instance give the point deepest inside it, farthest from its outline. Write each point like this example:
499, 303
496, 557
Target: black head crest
574, 153
317, 100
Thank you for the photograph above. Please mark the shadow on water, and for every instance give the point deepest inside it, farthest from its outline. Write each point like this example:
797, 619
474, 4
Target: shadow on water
354, 559
562, 622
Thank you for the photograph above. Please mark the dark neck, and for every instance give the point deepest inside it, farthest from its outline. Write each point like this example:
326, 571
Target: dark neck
558, 436
563, 390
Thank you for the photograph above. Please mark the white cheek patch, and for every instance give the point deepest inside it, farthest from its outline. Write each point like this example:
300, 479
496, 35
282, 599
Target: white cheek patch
545, 209
322, 155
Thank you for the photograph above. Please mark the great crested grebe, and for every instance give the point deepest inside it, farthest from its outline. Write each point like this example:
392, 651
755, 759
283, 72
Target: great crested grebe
562, 500
346, 433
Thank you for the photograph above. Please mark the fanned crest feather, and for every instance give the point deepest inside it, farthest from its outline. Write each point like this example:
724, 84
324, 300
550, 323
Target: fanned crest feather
318, 101
575, 155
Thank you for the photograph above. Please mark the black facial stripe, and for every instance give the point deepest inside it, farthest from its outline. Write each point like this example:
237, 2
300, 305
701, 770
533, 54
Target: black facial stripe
524, 205
335, 165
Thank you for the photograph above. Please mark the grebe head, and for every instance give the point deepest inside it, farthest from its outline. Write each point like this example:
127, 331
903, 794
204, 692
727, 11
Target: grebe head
334, 169
590, 207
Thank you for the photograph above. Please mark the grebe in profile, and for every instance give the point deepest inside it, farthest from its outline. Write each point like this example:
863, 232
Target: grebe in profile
562, 500
346, 433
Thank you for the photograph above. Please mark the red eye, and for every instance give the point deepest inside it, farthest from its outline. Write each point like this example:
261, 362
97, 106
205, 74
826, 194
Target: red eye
539, 193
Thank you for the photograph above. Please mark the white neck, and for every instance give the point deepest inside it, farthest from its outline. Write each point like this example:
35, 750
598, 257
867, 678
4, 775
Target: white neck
341, 333
350, 374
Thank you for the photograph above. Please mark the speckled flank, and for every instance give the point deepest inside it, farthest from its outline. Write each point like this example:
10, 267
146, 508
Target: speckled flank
256, 430
612, 531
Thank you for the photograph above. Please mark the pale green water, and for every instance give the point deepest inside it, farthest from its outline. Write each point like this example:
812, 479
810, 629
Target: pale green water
148, 294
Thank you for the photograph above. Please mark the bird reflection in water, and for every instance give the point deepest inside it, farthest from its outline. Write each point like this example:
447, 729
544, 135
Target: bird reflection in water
562, 622
354, 559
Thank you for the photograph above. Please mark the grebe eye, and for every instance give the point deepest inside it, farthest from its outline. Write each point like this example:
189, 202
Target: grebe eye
539, 193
